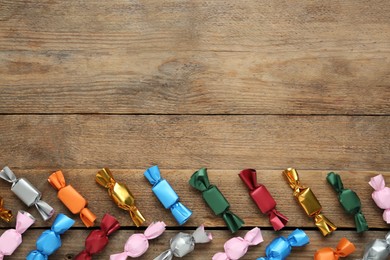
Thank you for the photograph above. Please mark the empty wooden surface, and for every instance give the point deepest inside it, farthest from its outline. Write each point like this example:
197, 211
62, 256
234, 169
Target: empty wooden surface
187, 84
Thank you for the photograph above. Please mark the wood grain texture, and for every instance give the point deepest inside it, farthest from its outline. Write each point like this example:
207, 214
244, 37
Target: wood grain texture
189, 142
73, 244
83, 180
195, 57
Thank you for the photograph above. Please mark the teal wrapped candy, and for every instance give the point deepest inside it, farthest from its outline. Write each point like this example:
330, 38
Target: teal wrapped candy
349, 200
215, 200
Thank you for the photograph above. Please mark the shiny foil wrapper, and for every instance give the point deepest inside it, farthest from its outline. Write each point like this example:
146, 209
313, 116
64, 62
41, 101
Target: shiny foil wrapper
120, 194
263, 198
381, 195
344, 248
237, 247
71, 198
97, 240
11, 239
349, 200
27, 193
309, 203
182, 244
5, 214
215, 199
50, 240
280, 248
166, 195
138, 244
379, 249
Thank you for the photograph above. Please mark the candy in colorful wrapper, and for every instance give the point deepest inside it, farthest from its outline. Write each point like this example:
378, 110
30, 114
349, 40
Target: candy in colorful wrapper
11, 239
349, 200
71, 198
379, 249
137, 244
236, 247
5, 214
309, 203
280, 248
215, 200
97, 240
183, 243
167, 196
50, 240
263, 199
120, 194
27, 193
343, 249
381, 195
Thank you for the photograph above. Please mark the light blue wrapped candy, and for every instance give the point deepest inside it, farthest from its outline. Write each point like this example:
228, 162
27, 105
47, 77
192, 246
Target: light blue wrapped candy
50, 240
281, 247
167, 196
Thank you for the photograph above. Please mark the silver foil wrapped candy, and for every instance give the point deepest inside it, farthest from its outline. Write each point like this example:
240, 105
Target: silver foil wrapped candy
379, 249
27, 193
183, 243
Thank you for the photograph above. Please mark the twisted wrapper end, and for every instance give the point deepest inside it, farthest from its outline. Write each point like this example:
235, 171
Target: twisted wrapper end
8, 175
136, 215
87, 217
166, 255
360, 222
44, 209
5, 214
249, 177
233, 222
292, 177
324, 225
201, 236
57, 180
277, 219
180, 212
153, 175
200, 180
104, 178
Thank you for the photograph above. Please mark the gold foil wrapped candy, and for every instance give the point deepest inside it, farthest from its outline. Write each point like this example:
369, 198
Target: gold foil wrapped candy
120, 194
309, 203
5, 214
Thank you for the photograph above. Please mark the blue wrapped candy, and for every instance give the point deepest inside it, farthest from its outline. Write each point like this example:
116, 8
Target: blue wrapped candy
167, 196
50, 240
281, 247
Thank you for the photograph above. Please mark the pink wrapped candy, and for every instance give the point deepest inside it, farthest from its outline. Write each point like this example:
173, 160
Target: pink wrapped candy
11, 239
137, 244
236, 247
381, 195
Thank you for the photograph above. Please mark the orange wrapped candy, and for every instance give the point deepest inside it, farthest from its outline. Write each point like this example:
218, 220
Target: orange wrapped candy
5, 214
343, 249
71, 198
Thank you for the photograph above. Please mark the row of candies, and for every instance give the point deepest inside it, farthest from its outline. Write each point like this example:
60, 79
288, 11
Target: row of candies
182, 243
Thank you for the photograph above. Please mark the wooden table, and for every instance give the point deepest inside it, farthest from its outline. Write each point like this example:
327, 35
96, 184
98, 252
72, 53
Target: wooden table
187, 84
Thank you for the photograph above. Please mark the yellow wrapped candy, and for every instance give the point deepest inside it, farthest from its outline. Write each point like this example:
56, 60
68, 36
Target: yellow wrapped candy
309, 202
120, 194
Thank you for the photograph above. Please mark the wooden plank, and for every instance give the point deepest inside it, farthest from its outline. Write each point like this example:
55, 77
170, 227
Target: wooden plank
202, 57
83, 180
73, 243
189, 142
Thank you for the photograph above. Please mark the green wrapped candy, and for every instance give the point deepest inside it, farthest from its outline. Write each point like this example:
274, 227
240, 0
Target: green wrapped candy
214, 198
349, 200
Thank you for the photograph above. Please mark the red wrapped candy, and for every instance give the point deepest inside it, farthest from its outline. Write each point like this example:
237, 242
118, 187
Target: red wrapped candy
263, 199
97, 240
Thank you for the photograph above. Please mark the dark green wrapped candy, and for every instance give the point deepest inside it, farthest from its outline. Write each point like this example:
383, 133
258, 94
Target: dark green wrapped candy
349, 200
214, 198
